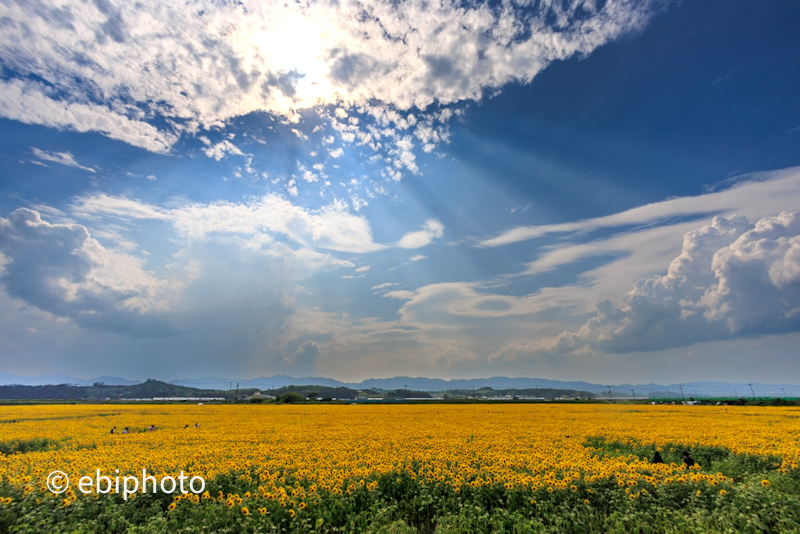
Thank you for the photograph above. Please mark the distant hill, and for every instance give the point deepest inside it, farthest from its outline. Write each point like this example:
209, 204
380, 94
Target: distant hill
430, 385
98, 391
7, 379
263, 383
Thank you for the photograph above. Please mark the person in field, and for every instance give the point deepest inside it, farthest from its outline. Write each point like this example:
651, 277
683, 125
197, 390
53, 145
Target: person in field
687, 460
657, 459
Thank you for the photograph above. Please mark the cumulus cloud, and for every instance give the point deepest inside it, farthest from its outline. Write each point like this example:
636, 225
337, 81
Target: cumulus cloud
61, 269
119, 68
431, 230
221, 149
732, 278
62, 158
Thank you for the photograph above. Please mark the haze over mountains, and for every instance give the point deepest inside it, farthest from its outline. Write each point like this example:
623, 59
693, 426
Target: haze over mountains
727, 389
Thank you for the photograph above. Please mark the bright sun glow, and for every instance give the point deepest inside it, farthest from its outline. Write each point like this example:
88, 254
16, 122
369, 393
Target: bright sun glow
297, 44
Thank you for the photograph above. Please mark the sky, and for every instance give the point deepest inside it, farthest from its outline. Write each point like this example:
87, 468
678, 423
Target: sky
598, 190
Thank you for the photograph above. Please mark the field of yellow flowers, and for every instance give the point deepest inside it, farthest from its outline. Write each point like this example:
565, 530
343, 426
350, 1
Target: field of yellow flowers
405, 468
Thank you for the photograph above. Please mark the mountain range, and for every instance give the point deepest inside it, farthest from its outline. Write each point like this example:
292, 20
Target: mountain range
265, 383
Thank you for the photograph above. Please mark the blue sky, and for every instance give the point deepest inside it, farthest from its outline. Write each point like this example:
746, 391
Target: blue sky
587, 190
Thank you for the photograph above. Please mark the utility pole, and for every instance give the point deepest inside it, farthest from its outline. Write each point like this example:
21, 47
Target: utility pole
101, 391
634, 395
784, 393
682, 395
473, 391
230, 389
751, 391
237, 391
609, 392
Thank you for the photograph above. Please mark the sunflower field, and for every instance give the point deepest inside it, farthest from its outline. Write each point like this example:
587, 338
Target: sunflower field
438, 468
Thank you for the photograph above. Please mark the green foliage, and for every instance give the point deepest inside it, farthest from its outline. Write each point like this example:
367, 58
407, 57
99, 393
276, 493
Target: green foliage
22, 446
712, 459
290, 397
401, 503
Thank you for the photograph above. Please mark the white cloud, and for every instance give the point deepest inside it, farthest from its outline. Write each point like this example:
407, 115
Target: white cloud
222, 148
418, 257
755, 195
26, 102
363, 269
291, 187
732, 279
337, 153
63, 270
62, 158
432, 230
142, 62
400, 294
331, 227
384, 285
